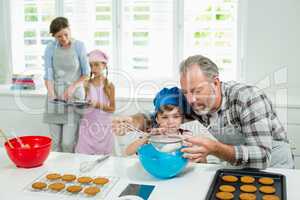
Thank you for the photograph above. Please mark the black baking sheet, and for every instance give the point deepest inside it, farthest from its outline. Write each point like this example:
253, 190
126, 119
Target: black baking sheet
279, 182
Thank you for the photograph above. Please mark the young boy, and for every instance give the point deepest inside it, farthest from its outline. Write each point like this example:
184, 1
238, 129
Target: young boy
168, 116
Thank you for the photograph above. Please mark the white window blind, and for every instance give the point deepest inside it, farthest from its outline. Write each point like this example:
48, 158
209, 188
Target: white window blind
30, 33
140, 37
210, 29
147, 38
91, 22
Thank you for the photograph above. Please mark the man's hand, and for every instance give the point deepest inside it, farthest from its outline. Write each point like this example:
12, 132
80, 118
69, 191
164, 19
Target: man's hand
118, 125
198, 148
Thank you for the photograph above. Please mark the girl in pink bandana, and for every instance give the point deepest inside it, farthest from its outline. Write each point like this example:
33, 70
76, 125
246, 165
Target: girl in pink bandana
95, 132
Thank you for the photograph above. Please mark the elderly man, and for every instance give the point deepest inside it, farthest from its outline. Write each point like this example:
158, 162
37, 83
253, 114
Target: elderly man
240, 116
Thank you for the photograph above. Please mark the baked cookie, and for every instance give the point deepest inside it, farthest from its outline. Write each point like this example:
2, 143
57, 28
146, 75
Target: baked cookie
56, 186
68, 177
100, 181
74, 188
84, 179
229, 178
91, 191
39, 185
53, 176
266, 181
247, 196
224, 195
270, 197
248, 188
247, 179
227, 188
267, 189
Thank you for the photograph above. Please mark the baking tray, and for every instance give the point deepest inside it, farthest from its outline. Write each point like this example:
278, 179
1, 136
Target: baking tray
76, 103
105, 189
279, 182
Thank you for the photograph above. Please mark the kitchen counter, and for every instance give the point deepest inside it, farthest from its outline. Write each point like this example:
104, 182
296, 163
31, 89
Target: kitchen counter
192, 184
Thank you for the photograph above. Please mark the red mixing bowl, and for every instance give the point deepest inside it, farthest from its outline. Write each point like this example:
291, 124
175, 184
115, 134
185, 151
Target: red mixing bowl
35, 152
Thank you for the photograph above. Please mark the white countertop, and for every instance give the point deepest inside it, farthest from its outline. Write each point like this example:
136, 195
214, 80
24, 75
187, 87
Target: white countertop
192, 184
6, 91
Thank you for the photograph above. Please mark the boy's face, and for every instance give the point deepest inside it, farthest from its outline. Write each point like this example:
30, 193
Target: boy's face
169, 119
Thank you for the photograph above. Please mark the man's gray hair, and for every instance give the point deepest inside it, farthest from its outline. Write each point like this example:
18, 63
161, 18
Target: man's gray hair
208, 67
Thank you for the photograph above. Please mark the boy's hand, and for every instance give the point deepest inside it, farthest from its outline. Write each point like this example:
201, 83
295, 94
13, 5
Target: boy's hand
157, 131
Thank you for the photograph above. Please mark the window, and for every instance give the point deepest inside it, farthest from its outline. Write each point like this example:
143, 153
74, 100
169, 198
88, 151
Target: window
91, 22
147, 38
143, 38
30, 33
210, 28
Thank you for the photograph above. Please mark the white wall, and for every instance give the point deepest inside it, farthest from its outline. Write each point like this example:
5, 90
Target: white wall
272, 42
4, 55
272, 46
1, 43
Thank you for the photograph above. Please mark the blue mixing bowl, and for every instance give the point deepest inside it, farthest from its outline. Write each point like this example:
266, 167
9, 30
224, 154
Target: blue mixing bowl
159, 164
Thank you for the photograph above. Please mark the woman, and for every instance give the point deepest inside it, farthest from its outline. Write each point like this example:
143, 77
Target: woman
66, 68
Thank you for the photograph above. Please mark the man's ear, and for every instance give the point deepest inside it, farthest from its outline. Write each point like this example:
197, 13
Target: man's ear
217, 81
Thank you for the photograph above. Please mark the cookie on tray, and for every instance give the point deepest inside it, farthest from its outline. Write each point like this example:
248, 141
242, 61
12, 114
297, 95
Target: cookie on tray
68, 177
227, 188
229, 178
224, 195
56, 186
85, 179
266, 181
91, 191
53, 176
267, 189
39, 185
247, 179
74, 188
248, 188
270, 197
100, 181
247, 196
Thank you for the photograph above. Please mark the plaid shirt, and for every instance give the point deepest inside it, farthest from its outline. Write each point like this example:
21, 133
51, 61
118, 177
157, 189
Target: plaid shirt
252, 114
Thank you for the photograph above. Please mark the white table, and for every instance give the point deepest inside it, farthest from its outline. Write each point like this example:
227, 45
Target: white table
193, 184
